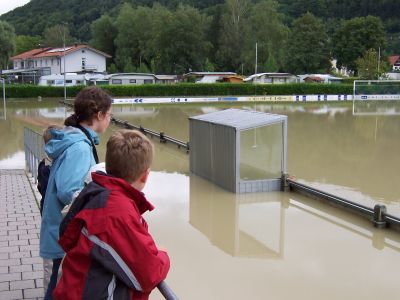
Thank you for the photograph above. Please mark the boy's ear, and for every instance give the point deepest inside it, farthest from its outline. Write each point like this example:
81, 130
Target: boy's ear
145, 175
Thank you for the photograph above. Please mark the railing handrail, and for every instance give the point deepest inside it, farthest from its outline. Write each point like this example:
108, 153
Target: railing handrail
34, 150
161, 135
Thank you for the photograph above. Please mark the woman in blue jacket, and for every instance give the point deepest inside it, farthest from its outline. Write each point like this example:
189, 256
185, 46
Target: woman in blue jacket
73, 153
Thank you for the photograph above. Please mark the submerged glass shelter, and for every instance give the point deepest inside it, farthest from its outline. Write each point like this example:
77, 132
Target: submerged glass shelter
241, 151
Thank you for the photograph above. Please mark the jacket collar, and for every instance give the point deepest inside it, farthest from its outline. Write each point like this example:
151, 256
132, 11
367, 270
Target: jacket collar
114, 183
93, 135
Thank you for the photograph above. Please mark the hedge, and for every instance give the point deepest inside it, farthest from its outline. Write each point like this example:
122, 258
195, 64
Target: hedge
185, 89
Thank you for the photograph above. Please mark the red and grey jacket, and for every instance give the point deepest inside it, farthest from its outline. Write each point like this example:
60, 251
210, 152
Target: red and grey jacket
109, 251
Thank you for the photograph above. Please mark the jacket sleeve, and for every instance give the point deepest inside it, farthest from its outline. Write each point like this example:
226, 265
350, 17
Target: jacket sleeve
134, 244
71, 173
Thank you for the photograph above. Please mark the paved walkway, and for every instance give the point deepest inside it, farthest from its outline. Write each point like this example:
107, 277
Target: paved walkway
21, 268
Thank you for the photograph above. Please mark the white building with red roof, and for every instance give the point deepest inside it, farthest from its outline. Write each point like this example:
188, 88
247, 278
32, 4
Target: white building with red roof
78, 59
394, 62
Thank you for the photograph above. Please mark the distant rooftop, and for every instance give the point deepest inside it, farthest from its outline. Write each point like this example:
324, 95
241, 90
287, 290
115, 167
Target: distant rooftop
54, 52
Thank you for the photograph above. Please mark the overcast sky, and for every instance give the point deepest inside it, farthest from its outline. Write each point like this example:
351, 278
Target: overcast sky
7, 5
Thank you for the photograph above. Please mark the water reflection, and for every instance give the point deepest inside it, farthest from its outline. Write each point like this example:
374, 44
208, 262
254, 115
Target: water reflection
253, 225
228, 220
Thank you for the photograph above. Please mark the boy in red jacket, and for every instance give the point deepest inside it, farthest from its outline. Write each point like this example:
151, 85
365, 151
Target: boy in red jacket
109, 252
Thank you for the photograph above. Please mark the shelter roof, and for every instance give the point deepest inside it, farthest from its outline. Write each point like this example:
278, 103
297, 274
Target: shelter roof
240, 119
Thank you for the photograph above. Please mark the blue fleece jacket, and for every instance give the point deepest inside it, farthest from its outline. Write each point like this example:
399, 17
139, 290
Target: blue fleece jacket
72, 156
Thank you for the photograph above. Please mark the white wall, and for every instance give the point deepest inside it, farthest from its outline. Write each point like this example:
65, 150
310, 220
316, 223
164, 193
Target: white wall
73, 61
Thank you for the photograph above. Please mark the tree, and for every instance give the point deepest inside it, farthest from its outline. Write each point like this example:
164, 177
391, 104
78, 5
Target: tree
54, 36
104, 33
25, 43
354, 37
181, 43
270, 34
271, 64
7, 42
308, 49
368, 66
133, 43
234, 32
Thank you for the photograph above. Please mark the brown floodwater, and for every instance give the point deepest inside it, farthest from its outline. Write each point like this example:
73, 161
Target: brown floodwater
266, 245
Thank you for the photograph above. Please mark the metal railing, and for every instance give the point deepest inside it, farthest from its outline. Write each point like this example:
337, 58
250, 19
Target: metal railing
378, 214
161, 135
34, 150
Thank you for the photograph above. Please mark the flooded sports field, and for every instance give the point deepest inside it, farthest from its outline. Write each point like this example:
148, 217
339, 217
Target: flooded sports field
265, 245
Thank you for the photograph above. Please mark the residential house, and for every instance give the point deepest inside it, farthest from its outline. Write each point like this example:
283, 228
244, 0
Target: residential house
45, 61
271, 78
394, 62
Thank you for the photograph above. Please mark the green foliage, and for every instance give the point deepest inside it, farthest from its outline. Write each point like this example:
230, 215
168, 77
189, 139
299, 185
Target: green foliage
7, 43
112, 69
174, 36
271, 35
270, 64
104, 33
308, 49
25, 43
37, 15
354, 37
369, 67
185, 89
56, 36
29, 91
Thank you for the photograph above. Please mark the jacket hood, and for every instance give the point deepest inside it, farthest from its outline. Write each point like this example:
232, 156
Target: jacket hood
62, 139
114, 183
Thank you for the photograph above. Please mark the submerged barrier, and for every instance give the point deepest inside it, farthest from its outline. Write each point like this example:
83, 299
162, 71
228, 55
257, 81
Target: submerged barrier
160, 135
378, 215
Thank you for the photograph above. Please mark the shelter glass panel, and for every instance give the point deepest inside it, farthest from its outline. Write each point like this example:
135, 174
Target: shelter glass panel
261, 151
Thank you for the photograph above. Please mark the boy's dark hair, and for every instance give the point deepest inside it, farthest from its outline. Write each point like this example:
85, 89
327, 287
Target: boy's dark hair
88, 103
129, 154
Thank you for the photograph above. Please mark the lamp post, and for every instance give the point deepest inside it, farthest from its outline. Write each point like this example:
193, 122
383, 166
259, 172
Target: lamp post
4, 97
65, 87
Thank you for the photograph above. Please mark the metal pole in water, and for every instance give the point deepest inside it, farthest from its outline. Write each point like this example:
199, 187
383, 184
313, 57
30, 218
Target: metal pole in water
4, 97
65, 87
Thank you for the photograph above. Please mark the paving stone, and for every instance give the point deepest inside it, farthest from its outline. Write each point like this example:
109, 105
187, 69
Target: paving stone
38, 267
32, 293
21, 254
21, 268
39, 282
22, 284
10, 295
10, 277
4, 286
32, 275
31, 260
9, 249
28, 247
10, 262
19, 243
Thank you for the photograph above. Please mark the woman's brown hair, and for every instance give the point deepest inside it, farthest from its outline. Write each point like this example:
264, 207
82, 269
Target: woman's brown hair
88, 103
